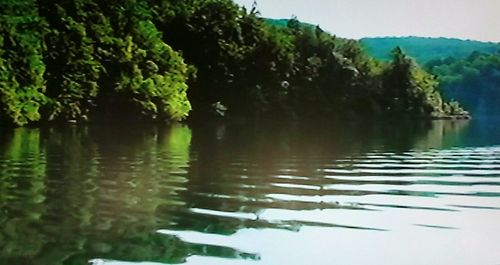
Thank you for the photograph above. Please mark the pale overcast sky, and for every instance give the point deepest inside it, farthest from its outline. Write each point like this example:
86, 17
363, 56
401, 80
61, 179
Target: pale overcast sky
464, 19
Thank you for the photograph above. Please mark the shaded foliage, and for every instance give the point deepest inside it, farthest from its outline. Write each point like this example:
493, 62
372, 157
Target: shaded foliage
467, 71
257, 66
89, 59
473, 81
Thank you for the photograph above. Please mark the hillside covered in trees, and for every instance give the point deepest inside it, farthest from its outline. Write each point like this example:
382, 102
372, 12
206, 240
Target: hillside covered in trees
467, 71
427, 49
163, 59
474, 81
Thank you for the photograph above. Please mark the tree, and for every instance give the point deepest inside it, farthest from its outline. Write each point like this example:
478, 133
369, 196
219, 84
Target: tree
22, 85
408, 89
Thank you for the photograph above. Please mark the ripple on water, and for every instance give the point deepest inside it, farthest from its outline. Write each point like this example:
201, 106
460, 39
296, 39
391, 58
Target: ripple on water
215, 212
428, 174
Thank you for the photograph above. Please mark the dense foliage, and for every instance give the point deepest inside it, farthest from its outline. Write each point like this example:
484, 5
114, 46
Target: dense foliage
22, 84
467, 71
68, 60
248, 65
89, 59
474, 81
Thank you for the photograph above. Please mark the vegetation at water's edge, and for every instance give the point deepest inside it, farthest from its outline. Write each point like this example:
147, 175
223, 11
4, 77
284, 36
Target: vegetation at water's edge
135, 59
474, 81
467, 71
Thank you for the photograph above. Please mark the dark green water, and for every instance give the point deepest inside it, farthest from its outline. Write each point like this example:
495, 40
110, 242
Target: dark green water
251, 194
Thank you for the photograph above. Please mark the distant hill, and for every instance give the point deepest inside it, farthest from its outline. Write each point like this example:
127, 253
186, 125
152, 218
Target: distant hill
468, 71
426, 49
473, 81
283, 22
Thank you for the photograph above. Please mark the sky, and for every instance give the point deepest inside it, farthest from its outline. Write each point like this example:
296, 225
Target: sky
463, 19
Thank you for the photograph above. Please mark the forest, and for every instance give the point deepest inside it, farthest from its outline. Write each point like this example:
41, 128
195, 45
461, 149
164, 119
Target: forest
467, 71
427, 49
147, 60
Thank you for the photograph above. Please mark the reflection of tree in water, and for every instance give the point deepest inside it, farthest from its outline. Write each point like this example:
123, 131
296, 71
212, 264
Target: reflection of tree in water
443, 134
69, 195
73, 194
22, 185
237, 167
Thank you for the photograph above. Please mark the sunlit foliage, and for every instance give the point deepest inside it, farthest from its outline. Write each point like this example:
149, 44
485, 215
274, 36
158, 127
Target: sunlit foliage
70, 60
22, 85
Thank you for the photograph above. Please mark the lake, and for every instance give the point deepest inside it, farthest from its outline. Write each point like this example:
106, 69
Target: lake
259, 193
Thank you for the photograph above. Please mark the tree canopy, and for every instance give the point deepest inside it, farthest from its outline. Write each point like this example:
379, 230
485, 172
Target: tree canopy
467, 71
473, 81
158, 59
427, 49
73, 59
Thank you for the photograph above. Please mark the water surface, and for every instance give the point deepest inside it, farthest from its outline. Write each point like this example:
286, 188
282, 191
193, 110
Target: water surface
234, 193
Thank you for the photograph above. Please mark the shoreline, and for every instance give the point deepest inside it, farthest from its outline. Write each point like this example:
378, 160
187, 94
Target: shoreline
241, 119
